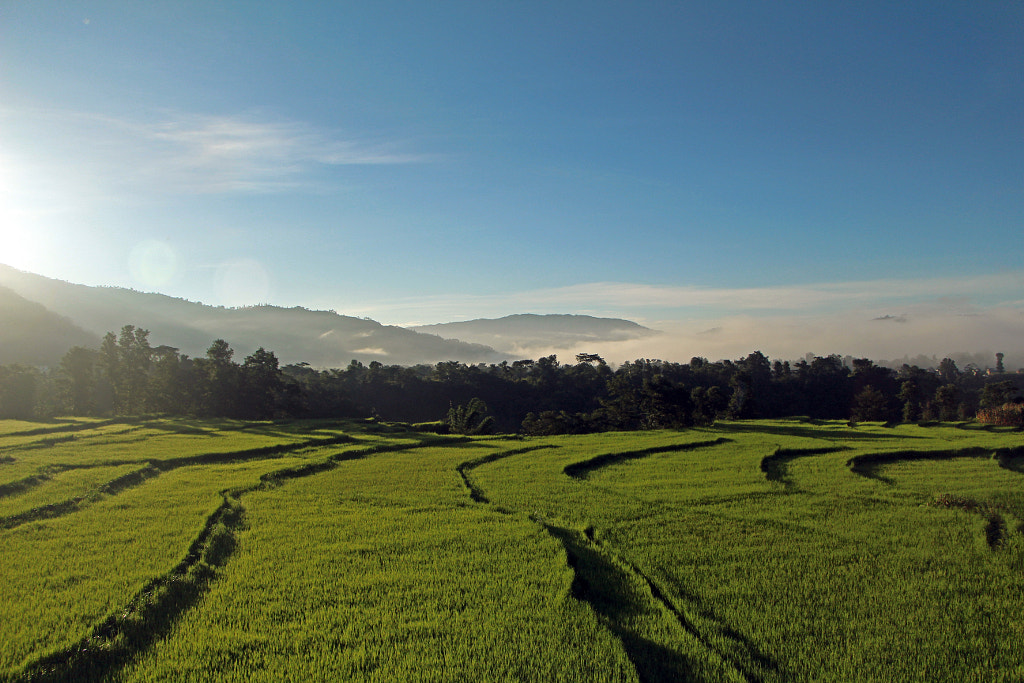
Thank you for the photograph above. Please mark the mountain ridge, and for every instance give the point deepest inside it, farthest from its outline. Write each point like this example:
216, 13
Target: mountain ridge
297, 334
524, 331
31, 334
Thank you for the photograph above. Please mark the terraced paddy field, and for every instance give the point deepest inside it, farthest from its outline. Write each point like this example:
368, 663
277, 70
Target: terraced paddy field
786, 550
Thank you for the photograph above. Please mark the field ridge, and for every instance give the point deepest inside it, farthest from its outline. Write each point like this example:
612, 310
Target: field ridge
151, 469
149, 614
583, 468
463, 468
593, 562
154, 609
868, 464
774, 465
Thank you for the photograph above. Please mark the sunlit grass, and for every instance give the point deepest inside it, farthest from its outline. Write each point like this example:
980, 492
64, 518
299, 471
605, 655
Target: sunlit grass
841, 577
749, 551
382, 569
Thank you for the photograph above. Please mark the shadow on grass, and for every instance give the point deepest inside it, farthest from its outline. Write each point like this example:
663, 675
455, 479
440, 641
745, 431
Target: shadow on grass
150, 614
63, 425
776, 465
870, 464
153, 611
475, 492
611, 593
824, 431
1011, 459
624, 597
981, 427
581, 470
23, 485
220, 427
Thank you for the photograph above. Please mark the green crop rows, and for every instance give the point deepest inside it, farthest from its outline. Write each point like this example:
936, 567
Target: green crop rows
752, 551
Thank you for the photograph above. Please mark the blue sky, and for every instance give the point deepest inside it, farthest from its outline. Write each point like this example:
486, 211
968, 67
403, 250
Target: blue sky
770, 174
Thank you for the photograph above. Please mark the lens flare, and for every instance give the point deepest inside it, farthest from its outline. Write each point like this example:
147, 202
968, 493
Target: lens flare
243, 282
153, 264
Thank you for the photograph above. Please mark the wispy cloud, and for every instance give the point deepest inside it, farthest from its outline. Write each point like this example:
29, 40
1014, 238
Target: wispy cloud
175, 152
219, 154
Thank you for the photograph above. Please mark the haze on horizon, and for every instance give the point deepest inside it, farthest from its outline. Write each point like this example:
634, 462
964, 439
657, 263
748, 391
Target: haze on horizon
813, 177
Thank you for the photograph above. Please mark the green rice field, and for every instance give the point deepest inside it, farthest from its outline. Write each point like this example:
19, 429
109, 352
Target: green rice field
787, 550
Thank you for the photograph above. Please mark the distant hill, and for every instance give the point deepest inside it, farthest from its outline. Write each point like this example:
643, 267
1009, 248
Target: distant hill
42, 317
32, 335
522, 332
321, 338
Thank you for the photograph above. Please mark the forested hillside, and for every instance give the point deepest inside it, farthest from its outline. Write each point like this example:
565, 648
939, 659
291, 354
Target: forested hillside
33, 335
323, 338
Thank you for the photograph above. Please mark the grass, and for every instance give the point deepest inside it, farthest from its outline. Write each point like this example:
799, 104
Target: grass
384, 569
753, 551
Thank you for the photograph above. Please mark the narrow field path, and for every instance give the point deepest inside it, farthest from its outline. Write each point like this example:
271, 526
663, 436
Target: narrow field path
634, 607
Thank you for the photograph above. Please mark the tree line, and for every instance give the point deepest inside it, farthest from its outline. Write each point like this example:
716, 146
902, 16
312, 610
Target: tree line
128, 376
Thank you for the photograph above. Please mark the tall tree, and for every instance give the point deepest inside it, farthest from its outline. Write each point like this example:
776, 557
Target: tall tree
262, 382
18, 385
77, 380
870, 405
947, 402
910, 395
135, 357
109, 374
219, 377
169, 386
948, 370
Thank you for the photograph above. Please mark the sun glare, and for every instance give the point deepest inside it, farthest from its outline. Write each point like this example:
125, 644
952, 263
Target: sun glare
20, 248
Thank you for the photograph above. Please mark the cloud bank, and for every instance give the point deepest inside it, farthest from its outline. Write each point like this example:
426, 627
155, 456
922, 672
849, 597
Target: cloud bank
927, 333
879, 319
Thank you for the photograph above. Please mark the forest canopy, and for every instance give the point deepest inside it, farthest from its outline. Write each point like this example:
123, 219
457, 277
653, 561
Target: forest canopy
127, 375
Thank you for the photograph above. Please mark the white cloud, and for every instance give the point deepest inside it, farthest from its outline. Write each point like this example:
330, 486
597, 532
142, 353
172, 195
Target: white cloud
375, 351
216, 154
192, 153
